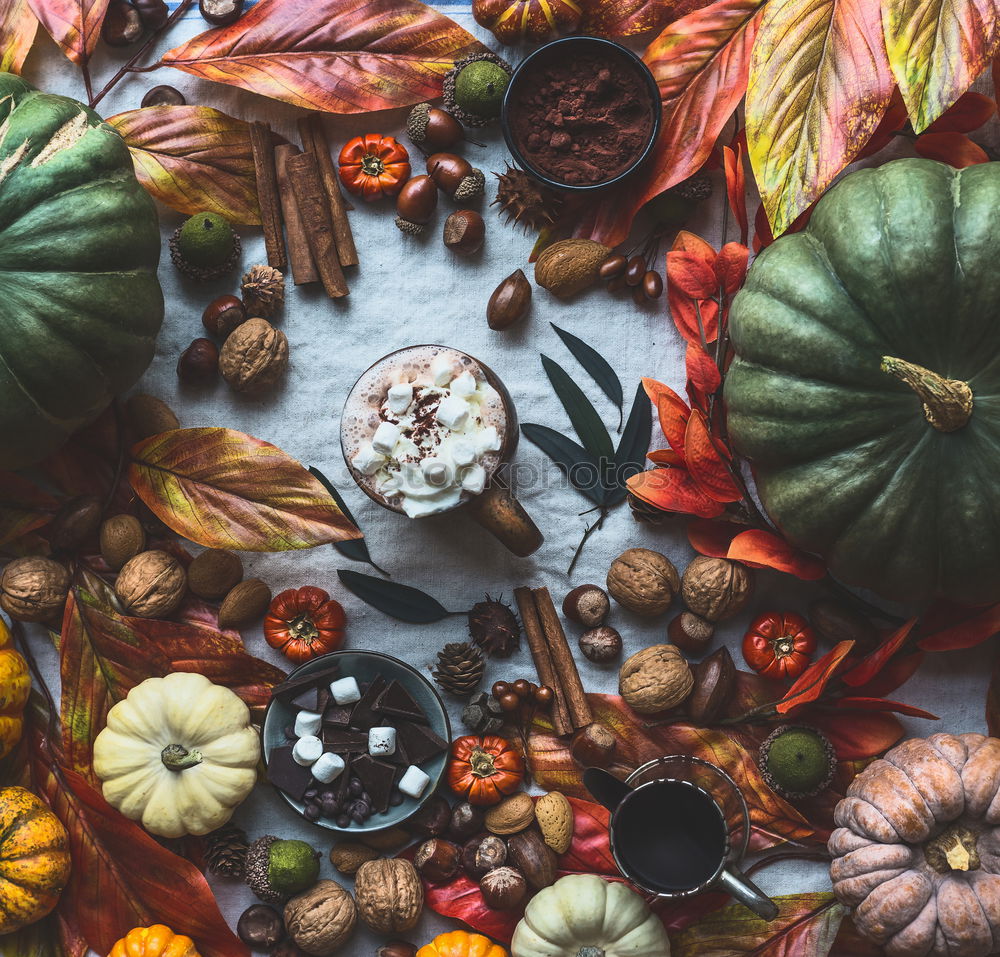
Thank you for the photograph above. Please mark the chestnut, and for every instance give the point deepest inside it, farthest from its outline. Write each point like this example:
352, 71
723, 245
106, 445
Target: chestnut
199, 362
601, 645
222, 315
397, 948
221, 13
260, 927
587, 605
153, 13
432, 819
415, 204
504, 888
690, 633
464, 232
593, 746
163, 95
491, 853
122, 24
437, 860
466, 821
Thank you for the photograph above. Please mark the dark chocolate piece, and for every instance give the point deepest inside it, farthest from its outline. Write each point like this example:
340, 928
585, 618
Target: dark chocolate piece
323, 698
344, 781
304, 700
341, 740
377, 777
291, 687
419, 742
284, 773
364, 715
337, 715
397, 702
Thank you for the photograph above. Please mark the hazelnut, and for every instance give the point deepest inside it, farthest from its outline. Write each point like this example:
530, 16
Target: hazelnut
655, 679
716, 588
415, 204
260, 927
321, 919
122, 537
504, 888
348, 856
397, 948
587, 605
75, 523
222, 315
714, 680
163, 95
151, 585
122, 24
432, 819
254, 357
456, 176
199, 362
220, 13
245, 604
433, 128
34, 589
466, 821
214, 573
690, 633
149, 416
643, 581
437, 860
509, 301
529, 853
464, 232
601, 645
593, 746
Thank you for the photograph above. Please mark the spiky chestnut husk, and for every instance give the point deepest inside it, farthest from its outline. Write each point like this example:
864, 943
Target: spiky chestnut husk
201, 273
525, 201
823, 759
463, 117
494, 627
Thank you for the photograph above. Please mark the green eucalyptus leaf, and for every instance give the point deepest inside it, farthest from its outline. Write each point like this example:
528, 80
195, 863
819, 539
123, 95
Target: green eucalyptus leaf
576, 463
392, 598
356, 549
587, 423
596, 366
630, 458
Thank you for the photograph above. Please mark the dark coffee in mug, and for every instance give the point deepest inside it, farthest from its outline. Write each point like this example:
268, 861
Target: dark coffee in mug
670, 836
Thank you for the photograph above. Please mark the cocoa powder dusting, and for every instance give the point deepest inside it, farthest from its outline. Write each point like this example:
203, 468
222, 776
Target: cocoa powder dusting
582, 121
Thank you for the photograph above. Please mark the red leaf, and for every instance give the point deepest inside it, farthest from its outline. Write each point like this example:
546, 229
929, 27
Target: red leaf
674, 490
462, 900
970, 111
617, 19
855, 735
763, 549
689, 242
665, 457
702, 372
672, 410
876, 660
897, 672
708, 468
810, 684
731, 267
736, 185
882, 704
691, 274
24, 506
75, 25
973, 627
955, 149
696, 321
712, 538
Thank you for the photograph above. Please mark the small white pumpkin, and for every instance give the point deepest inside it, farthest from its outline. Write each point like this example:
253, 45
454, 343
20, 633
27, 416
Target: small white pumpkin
178, 754
582, 915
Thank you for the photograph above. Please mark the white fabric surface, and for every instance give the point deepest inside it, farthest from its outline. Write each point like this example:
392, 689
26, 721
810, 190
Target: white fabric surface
410, 291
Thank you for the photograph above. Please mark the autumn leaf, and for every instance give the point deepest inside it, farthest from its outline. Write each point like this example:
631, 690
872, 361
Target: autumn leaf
712, 538
193, 159
893, 674
884, 704
702, 373
617, 19
691, 274
731, 267
937, 49
707, 467
674, 490
18, 26
819, 83
23, 506
855, 735
736, 186
763, 549
223, 489
75, 25
955, 149
811, 683
869, 666
948, 627
672, 410
970, 111
331, 56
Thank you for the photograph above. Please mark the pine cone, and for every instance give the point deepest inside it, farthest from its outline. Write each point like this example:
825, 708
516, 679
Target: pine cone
460, 668
494, 628
226, 851
523, 200
695, 188
263, 291
644, 512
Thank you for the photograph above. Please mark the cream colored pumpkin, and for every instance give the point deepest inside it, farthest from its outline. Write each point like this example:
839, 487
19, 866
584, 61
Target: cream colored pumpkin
178, 754
585, 916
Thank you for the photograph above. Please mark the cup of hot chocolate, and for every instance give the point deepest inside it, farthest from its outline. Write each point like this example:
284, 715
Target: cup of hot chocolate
425, 431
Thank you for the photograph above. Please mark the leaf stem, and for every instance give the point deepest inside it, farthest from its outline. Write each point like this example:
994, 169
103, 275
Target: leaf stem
88, 83
590, 529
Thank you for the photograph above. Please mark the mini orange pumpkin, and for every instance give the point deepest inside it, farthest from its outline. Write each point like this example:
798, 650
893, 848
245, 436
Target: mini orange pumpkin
484, 770
514, 21
34, 859
15, 683
155, 941
460, 943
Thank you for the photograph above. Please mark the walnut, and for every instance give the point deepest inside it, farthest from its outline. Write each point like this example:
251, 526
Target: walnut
655, 679
34, 589
263, 291
151, 585
716, 588
389, 894
321, 919
254, 356
643, 581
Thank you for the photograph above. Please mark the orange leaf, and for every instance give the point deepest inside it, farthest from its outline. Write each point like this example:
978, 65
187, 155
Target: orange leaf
968, 627
955, 149
331, 56
673, 490
897, 672
688, 242
882, 704
854, 735
702, 372
695, 321
731, 267
224, 489
691, 274
810, 684
764, 549
18, 26
872, 663
617, 19
75, 25
672, 410
712, 538
736, 187
665, 457
970, 111
708, 468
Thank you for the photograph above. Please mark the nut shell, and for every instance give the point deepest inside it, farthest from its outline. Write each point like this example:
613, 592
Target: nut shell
246, 603
504, 888
643, 581
601, 645
321, 919
417, 200
122, 538
593, 746
464, 232
389, 894
555, 820
149, 415
509, 301
511, 815
348, 856
570, 266
655, 679
530, 854
223, 315
716, 588
151, 585
214, 573
254, 357
587, 605
33, 589
438, 860
714, 680
690, 633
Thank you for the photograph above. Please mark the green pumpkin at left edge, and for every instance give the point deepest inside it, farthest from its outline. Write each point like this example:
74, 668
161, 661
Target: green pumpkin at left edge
80, 304
866, 386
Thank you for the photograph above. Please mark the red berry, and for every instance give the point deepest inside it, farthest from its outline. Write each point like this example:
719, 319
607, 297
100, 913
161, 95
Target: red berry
500, 689
509, 702
522, 688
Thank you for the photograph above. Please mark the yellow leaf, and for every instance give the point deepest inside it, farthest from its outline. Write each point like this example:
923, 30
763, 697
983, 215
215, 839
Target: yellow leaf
17, 32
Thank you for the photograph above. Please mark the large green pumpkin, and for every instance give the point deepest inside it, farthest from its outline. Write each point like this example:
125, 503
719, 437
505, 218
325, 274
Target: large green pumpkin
866, 386
80, 304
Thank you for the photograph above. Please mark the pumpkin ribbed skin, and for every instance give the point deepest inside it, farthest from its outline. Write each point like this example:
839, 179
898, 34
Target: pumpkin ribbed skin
15, 685
80, 304
898, 261
34, 859
157, 940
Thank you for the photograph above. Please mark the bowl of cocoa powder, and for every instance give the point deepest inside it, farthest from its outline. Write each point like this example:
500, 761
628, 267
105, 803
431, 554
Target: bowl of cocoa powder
581, 113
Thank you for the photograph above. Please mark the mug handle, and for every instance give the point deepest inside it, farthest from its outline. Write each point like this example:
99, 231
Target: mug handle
741, 888
504, 517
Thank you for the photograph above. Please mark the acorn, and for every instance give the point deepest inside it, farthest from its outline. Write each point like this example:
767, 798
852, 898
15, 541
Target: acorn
433, 128
415, 205
276, 869
797, 762
456, 176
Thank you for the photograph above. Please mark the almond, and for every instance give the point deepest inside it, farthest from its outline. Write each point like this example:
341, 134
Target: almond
555, 820
511, 815
244, 604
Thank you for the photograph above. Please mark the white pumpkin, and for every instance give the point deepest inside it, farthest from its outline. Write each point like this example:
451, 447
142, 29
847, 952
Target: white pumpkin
586, 916
178, 754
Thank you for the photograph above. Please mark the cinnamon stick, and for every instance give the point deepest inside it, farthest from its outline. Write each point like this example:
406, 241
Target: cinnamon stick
543, 660
562, 660
299, 255
262, 144
310, 197
314, 141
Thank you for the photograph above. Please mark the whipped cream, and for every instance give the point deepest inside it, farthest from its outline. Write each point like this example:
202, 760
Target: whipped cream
428, 449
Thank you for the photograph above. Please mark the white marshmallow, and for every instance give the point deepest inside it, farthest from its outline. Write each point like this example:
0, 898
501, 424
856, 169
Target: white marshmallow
368, 461
308, 722
307, 750
474, 479
442, 370
437, 472
327, 767
345, 690
400, 396
463, 452
382, 742
453, 412
488, 440
413, 782
465, 385
385, 438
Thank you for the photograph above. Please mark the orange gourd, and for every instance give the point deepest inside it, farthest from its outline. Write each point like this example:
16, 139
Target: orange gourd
460, 943
155, 941
15, 683
484, 770
34, 859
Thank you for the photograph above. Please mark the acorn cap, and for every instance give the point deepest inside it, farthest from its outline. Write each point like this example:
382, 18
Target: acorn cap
483, 108
797, 762
410, 228
471, 187
416, 122
276, 869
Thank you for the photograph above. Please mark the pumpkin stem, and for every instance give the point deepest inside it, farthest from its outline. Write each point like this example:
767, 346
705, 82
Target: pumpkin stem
482, 763
947, 402
953, 850
176, 757
590, 952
